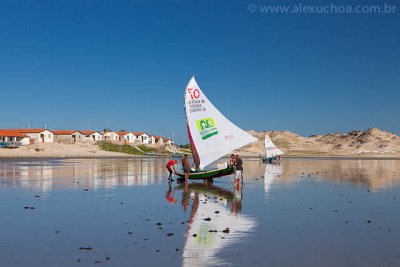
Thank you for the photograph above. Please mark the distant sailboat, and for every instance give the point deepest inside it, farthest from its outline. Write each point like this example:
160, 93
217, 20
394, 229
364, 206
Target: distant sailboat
272, 153
211, 135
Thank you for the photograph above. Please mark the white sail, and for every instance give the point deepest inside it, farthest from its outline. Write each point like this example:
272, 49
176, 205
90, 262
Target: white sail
211, 134
270, 148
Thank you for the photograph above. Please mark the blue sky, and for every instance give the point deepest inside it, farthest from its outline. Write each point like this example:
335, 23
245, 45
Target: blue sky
81, 64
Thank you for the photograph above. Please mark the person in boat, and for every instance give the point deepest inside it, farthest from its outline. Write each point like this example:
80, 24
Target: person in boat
232, 160
170, 167
271, 158
186, 167
239, 169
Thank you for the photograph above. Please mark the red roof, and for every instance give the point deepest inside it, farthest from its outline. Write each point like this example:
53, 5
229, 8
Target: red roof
37, 130
138, 133
88, 132
64, 132
122, 133
11, 133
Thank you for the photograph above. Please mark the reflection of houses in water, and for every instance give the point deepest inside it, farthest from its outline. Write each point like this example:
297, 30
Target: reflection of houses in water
213, 209
77, 173
39, 177
34, 175
136, 172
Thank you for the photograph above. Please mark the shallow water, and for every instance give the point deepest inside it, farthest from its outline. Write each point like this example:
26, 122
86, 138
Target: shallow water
119, 212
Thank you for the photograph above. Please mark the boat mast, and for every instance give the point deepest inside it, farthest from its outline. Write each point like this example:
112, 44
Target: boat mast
196, 158
195, 155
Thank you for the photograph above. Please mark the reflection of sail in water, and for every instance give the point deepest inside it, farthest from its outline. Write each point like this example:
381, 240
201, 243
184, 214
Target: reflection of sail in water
272, 171
202, 246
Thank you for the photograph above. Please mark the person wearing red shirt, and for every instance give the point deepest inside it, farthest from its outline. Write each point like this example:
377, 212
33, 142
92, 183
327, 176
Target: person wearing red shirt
170, 167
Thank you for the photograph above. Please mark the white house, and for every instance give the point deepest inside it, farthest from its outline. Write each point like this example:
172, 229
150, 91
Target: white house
89, 135
14, 136
68, 136
127, 136
141, 137
152, 139
159, 139
26, 141
111, 136
168, 141
39, 135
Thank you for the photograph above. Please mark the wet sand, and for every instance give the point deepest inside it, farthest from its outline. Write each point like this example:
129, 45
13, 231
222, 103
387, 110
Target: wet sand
122, 212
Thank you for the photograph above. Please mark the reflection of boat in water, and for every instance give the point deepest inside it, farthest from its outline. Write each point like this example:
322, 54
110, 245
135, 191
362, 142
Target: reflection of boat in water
209, 189
210, 133
272, 153
272, 171
215, 222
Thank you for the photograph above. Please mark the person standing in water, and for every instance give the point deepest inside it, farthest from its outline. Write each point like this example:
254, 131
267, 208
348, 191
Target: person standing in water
186, 167
170, 167
232, 160
239, 169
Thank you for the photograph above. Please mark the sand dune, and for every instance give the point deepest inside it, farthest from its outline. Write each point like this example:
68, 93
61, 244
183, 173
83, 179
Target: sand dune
372, 142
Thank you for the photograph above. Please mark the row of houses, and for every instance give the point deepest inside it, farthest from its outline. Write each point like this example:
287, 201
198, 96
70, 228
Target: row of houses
31, 136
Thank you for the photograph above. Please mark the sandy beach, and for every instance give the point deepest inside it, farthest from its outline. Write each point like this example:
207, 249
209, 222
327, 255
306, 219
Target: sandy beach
57, 150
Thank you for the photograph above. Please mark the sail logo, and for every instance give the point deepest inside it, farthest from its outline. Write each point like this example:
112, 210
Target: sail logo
194, 93
206, 128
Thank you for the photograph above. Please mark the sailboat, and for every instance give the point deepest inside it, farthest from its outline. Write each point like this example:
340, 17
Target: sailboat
272, 153
210, 133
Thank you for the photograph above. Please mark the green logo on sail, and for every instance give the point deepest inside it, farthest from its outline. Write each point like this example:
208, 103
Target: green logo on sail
206, 128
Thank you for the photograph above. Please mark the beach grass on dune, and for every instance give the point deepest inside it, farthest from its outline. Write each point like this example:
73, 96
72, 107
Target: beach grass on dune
146, 149
127, 149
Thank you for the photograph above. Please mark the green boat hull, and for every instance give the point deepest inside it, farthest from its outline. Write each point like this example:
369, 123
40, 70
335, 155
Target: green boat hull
205, 175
